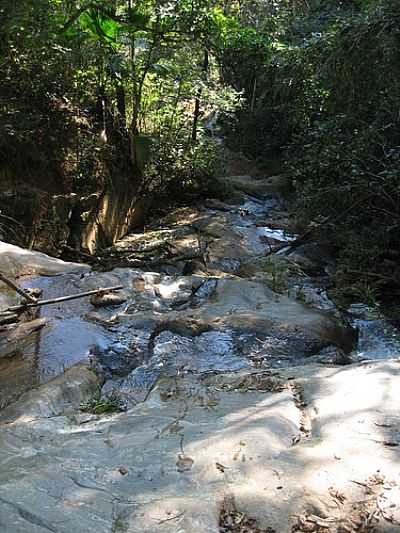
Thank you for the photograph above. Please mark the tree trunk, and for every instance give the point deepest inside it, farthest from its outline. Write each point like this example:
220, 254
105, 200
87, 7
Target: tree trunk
197, 110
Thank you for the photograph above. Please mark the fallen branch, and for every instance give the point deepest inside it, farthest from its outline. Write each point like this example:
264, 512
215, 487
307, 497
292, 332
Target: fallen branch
8, 318
79, 253
39, 303
371, 274
331, 219
143, 263
17, 288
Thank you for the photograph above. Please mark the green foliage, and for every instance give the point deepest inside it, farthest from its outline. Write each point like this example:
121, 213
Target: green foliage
90, 91
276, 270
327, 98
84, 84
346, 165
183, 172
35, 123
241, 50
99, 406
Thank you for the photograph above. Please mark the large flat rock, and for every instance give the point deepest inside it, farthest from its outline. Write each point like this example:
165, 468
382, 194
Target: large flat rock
166, 465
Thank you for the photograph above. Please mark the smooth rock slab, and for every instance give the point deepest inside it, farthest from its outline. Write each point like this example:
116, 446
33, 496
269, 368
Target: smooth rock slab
167, 464
16, 261
253, 307
127, 469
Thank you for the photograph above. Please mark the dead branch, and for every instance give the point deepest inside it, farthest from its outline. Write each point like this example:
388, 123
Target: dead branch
39, 303
8, 318
17, 288
303, 237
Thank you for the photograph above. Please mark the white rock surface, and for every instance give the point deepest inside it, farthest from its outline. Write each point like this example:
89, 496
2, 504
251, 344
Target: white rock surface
166, 465
16, 261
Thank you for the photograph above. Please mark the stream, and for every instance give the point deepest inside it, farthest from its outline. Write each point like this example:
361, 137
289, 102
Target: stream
220, 369
200, 296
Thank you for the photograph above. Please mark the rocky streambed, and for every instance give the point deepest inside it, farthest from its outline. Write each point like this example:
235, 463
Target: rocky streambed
223, 365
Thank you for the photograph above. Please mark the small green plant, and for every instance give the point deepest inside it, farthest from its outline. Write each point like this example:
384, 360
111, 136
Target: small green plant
276, 274
99, 405
367, 293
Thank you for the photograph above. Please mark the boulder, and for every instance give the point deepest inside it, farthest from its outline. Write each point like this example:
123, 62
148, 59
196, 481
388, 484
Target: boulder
252, 306
16, 262
259, 188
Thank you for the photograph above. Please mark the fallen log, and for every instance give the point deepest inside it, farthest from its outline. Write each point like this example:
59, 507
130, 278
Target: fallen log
39, 303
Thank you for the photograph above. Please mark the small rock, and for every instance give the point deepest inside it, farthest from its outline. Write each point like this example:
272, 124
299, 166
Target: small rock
107, 299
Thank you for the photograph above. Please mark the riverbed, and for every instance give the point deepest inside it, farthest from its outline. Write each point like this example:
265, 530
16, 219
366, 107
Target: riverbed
226, 383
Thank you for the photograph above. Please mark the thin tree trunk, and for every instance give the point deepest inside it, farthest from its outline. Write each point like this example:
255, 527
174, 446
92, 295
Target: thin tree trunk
253, 98
197, 103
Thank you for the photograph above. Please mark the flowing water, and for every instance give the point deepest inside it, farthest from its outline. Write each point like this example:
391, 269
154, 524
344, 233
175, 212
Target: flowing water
160, 329
378, 339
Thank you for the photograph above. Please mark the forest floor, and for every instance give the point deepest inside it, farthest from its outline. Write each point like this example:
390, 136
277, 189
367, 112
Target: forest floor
224, 365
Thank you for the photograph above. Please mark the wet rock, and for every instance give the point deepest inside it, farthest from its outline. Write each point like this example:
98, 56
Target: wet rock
126, 352
210, 351
252, 307
274, 236
174, 292
245, 380
133, 389
12, 339
204, 292
181, 325
280, 349
61, 395
377, 337
312, 259
107, 299
364, 312
331, 355
313, 296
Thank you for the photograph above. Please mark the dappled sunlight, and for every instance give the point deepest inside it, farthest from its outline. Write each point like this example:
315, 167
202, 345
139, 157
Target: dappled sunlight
356, 401
226, 176
176, 458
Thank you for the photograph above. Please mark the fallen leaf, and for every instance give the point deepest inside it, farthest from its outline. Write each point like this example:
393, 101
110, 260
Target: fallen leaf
220, 467
184, 463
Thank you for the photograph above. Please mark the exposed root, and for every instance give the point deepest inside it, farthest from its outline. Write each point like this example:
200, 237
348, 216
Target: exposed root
305, 421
